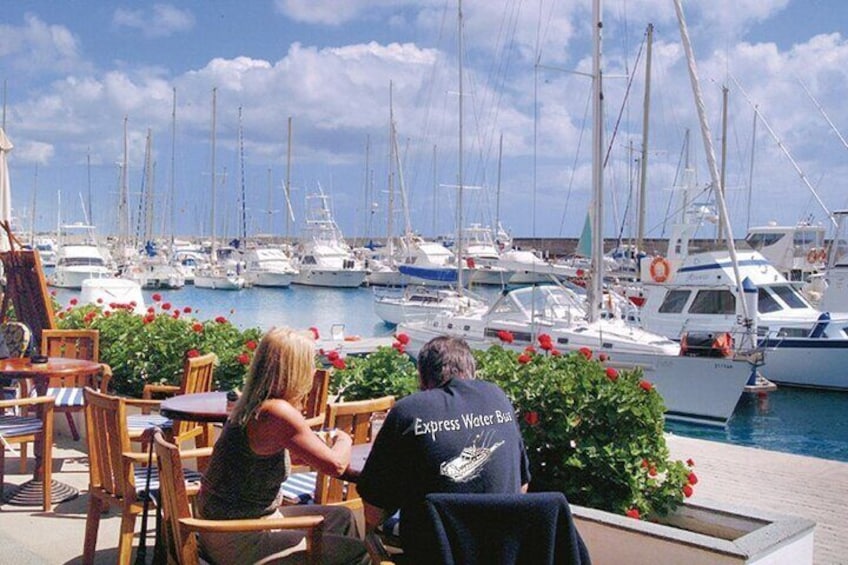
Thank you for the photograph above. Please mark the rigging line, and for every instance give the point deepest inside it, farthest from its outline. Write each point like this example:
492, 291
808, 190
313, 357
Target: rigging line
624, 101
823, 113
680, 166
574, 163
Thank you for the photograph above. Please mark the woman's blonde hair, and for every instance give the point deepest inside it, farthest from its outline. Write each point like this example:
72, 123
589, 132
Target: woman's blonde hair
282, 367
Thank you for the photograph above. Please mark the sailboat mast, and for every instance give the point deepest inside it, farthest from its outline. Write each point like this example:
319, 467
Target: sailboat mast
643, 163
123, 204
214, 257
390, 211
172, 195
723, 172
595, 289
243, 231
288, 178
459, 191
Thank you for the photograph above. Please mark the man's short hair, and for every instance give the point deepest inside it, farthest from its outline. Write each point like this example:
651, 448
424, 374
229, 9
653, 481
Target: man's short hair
444, 358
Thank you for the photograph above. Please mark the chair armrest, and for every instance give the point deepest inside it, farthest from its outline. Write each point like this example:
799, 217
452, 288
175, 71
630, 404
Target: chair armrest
150, 389
253, 525
145, 404
105, 378
28, 401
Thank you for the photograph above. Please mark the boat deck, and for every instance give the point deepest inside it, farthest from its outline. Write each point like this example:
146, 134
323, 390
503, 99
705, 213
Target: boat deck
812, 488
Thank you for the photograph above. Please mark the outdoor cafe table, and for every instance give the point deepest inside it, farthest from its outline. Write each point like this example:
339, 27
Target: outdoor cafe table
213, 407
30, 493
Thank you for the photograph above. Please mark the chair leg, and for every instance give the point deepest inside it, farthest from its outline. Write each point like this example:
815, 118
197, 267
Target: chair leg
72, 425
2, 469
92, 524
126, 540
47, 465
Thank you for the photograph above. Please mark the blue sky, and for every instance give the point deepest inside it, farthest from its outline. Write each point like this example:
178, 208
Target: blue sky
75, 70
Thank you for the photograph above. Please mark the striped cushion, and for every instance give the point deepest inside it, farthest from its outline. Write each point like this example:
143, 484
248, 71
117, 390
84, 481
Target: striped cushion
141, 422
66, 397
140, 474
299, 488
11, 425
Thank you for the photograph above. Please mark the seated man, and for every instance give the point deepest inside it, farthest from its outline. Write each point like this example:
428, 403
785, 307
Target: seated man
457, 435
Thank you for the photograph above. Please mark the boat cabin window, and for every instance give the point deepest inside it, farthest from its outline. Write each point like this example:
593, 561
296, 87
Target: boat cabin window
793, 332
674, 301
766, 302
82, 262
806, 239
790, 296
309, 260
713, 302
759, 240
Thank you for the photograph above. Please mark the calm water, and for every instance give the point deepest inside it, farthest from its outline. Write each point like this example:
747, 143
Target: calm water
793, 420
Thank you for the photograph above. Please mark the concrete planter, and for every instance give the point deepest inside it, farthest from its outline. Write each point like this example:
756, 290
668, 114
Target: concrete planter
707, 533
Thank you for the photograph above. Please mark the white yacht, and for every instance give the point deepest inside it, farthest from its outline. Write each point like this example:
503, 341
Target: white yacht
698, 389
46, 248
324, 259
528, 268
428, 262
482, 257
75, 263
419, 302
219, 277
268, 266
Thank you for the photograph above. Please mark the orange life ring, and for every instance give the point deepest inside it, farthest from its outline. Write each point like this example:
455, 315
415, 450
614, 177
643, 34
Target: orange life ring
812, 255
822, 255
660, 269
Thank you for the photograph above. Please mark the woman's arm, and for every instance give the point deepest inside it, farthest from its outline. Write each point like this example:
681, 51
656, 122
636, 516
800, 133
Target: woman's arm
280, 426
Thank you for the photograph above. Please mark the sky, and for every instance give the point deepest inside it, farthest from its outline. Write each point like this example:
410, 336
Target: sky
340, 70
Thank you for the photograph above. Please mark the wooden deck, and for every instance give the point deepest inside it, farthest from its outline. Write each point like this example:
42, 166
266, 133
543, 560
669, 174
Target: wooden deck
812, 488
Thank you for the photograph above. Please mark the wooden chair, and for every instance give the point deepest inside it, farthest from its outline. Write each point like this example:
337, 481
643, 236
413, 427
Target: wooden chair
355, 419
17, 429
116, 473
74, 344
197, 377
315, 405
182, 545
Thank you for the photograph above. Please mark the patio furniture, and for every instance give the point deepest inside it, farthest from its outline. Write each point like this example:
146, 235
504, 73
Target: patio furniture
181, 545
17, 429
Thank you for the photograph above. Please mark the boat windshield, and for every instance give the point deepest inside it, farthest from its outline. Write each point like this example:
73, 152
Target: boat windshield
82, 262
549, 302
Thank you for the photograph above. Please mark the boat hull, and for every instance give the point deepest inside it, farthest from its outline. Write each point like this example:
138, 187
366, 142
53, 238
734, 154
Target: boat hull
269, 279
219, 283
336, 278
73, 278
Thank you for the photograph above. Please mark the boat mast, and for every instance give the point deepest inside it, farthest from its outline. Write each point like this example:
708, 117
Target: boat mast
288, 178
595, 289
723, 172
172, 227
706, 135
214, 257
390, 210
123, 204
643, 163
459, 191
243, 231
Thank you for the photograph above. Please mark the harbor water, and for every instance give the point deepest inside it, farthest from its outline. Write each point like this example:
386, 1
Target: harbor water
804, 422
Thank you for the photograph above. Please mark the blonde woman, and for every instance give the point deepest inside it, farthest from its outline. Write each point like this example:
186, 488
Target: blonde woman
251, 459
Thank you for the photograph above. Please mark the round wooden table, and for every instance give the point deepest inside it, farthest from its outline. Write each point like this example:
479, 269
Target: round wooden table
197, 407
31, 493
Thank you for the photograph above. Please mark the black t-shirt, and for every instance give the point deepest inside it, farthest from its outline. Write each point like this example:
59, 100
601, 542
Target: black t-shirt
461, 437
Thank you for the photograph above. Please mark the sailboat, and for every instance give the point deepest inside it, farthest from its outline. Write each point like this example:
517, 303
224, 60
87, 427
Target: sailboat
695, 389
216, 276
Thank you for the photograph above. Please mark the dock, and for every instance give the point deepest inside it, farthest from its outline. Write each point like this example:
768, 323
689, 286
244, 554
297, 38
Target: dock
812, 488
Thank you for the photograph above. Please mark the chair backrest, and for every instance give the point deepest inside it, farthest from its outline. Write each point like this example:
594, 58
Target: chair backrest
108, 439
175, 506
500, 528
355, 419
73, 344
198, 373
17, 336
315, 404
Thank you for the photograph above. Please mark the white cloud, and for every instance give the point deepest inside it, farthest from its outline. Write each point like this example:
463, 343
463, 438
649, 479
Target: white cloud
162, 20
37, 47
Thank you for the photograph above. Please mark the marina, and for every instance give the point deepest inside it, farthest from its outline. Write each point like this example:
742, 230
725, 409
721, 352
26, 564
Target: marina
792, 420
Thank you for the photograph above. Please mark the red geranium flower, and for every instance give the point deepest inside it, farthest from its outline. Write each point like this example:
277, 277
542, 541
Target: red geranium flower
546, 345
532, 418
402, 338
107, 313
166, 306
315, 334
645, 464
506, 336
612, 374
243, 358
652, 471
687, 491
523, 358
100, 301
149, 318
690, 462
530, 349
192, 353
332, 356
187, 310
53, 293
646, 386
555, 352
151, 309
633, 513
221, 320
398, 346
544, 338
197, 326
586, 352
156, 297
693, 479
176, 314
602, 357
73, 301
339, 364
133, 304
251, 345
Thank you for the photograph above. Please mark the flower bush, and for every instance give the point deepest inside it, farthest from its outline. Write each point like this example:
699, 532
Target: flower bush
591, 431
152, 348
387, 371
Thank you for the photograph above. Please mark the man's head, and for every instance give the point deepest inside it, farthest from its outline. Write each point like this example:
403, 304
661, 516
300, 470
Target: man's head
442, 359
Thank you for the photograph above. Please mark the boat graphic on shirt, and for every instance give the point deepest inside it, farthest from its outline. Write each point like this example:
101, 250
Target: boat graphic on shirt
471, 459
